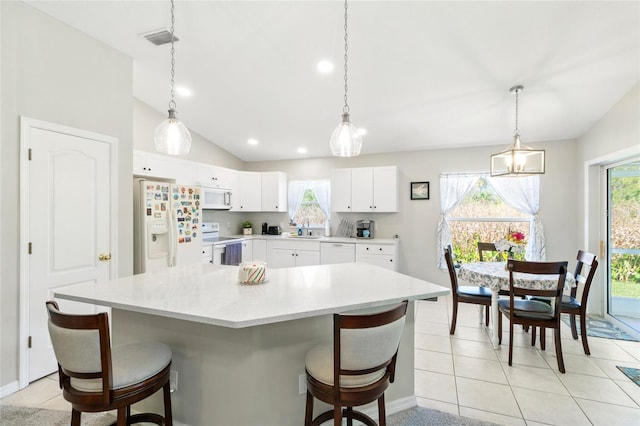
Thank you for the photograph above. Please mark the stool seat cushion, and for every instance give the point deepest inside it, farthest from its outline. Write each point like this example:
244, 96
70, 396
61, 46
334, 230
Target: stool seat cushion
319, 364
132, 364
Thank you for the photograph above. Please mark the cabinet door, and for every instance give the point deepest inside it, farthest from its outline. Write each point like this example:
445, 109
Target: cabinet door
260, 250
332, 253
281, 258
307, 258
385, 189
247, 251
341, 190
274, 192
212, 176
249, 191
362, 189
385, 261
140, 164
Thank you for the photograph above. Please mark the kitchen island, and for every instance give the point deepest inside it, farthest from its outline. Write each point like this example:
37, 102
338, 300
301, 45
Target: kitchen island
239, 349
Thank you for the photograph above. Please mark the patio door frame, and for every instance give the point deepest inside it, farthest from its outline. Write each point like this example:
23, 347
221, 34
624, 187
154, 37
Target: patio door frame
595, 223
607, 231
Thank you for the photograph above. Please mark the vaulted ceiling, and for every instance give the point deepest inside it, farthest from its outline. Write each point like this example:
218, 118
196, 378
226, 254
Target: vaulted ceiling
422, 74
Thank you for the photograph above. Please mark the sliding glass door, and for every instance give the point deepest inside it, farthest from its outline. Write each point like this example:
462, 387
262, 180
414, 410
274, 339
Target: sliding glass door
623, 235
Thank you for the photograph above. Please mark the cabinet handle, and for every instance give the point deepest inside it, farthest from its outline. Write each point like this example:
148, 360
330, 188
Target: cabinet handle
380, 248
367, 248
370, 207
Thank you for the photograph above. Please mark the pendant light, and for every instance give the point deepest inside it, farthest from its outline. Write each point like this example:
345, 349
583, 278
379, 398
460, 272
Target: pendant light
171, 136
346, 140
517, 160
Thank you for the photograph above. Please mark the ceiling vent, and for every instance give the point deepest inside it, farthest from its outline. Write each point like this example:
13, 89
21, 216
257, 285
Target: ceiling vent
160, 37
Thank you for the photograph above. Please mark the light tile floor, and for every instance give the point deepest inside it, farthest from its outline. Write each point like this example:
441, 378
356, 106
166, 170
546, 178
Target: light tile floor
463, 374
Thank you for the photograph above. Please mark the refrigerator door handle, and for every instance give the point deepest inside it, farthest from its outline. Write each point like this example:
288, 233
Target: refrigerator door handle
172, 238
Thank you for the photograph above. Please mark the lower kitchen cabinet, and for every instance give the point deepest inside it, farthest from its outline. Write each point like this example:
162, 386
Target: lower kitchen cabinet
378, 254
259, 250
247, 250
331, 253
207, 254
286, 254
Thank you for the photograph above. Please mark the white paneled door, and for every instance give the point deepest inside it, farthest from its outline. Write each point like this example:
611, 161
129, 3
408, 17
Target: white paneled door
70, 197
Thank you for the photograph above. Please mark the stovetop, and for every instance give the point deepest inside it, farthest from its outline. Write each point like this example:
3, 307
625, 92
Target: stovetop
216, 239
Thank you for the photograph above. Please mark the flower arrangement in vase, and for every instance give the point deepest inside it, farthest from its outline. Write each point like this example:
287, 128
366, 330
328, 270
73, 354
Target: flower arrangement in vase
513, 243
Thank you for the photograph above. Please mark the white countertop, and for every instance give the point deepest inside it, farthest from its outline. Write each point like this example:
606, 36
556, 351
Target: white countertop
211, 294
321, 239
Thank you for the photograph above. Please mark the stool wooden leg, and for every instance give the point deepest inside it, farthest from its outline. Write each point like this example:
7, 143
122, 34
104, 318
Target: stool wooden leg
168, 415
382, 415
308, 411
75, 417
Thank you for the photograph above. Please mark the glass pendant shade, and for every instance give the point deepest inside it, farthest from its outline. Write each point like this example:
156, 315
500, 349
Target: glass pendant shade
172, 137
346, 141
518, 160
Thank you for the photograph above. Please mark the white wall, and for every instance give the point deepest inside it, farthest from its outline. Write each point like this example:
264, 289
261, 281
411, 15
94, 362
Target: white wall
54, 73
614, 138
416, 222
145, 121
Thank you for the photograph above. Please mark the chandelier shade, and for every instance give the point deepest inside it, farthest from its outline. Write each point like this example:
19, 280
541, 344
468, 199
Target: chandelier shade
517, 159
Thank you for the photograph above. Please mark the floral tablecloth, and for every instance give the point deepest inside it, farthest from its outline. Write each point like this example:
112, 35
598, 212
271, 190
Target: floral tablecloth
496, 277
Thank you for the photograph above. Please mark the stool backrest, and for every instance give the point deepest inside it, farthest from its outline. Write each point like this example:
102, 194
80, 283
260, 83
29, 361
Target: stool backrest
368, 342
82, 347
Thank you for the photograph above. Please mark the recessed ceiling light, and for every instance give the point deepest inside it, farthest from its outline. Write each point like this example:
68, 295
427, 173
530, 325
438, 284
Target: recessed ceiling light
325, 67
361, 131
252, 142
183, 91
302, 150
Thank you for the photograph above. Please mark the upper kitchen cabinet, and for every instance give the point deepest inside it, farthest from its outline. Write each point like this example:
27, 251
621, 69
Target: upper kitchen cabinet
365, 189
274, 192
249, 196
341, 190
161, 166
214, 176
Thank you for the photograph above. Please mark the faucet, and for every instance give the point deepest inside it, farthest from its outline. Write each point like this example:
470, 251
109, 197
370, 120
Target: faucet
308, 227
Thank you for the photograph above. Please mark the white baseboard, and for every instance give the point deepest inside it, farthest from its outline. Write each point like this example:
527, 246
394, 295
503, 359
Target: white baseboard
392, 407
10, 388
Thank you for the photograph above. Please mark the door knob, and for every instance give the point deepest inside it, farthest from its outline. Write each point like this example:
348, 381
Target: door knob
104, 257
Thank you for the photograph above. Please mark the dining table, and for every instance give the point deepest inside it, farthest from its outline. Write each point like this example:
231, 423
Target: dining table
495, 276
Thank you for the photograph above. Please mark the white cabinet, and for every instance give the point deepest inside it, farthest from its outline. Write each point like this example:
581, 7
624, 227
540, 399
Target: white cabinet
249, 197
341, 190
287, 254
274, 192
365, 189
247, 250
162, 166
207, 254
214, 176
331, 253
374, 189
259, 250
378, 254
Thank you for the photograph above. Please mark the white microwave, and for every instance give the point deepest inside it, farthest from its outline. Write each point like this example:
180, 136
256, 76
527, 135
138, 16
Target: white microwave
216, 198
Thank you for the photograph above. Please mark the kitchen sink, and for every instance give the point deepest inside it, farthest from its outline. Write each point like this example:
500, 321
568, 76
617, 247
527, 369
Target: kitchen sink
306, 237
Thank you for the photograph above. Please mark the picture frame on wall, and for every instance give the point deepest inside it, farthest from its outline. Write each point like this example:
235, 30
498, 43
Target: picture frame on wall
419, 190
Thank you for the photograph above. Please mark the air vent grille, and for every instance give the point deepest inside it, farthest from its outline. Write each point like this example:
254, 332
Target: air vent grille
160, 37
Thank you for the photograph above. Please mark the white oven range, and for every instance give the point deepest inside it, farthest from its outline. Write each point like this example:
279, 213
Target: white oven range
211, 237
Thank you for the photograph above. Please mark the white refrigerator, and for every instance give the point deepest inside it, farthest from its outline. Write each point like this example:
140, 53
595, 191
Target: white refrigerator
167, 225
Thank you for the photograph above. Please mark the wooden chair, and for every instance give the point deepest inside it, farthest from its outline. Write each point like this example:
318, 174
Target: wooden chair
94, 377
357, 368
490, 247
465, 294
571, 305
497, 254
531, 312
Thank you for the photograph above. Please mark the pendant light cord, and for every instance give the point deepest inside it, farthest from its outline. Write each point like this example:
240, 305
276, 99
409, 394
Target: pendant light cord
517, 93
345, 109
172, 102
